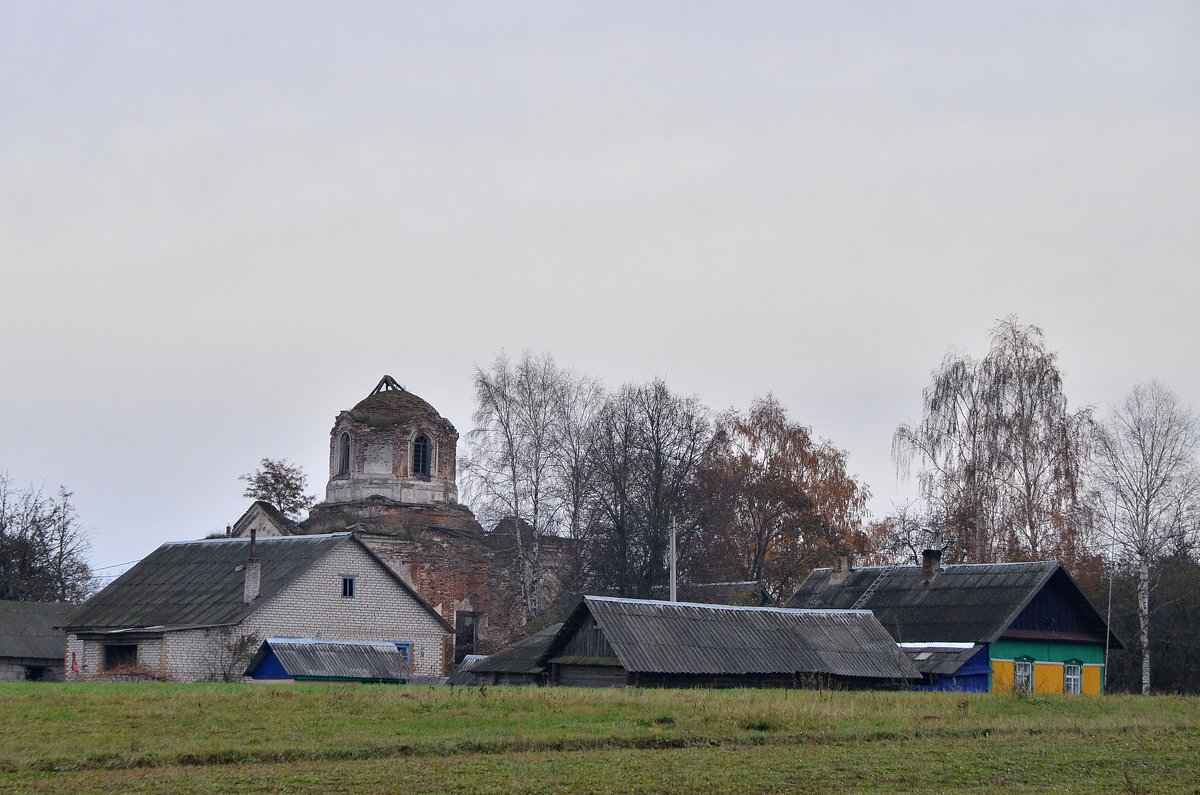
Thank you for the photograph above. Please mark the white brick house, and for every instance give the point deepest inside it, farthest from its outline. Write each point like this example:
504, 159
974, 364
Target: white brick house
197, 610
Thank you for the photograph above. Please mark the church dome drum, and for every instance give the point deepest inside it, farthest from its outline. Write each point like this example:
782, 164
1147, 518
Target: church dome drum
393, 445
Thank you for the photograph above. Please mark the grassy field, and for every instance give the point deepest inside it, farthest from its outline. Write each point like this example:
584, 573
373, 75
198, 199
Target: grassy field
379, 738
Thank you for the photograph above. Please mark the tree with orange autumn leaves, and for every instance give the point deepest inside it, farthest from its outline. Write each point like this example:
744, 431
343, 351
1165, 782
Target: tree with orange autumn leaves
773, 502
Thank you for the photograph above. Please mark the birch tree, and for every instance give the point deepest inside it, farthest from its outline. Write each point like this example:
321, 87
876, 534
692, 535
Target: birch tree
528, 467
999, 454
1147, 473
510, 458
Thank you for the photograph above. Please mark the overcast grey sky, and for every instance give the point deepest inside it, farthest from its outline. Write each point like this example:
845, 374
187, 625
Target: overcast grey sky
222, 222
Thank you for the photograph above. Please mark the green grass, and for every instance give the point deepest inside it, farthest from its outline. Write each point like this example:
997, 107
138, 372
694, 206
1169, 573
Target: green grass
366, 738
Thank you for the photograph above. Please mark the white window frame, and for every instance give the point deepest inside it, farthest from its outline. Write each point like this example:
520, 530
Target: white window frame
1073, 678
349, 586
1023, 676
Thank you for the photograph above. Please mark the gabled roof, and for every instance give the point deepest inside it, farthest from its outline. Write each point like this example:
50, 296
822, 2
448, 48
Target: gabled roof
327, 659
201, 583
29, 629
261, 510
687, 638
973, 603
522, 657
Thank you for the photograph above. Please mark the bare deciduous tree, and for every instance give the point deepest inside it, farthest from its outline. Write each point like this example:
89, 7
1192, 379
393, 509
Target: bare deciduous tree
280, 483
227, 653
647, 448
1149, 481
527, 469
999, 454
42, 547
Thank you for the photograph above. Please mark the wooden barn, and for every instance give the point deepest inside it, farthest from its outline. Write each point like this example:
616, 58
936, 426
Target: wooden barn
1040, 632
518, 664
611, 642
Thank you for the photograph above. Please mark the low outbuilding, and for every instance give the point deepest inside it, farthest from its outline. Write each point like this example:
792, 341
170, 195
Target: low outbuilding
955, 667
31, 643
631, 642
302, 659
520, 663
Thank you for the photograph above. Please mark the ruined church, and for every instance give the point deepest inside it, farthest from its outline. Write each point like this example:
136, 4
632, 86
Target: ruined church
392, 483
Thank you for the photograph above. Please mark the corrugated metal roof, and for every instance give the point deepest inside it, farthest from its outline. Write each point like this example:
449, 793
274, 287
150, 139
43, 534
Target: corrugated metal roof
522, 657
688, 638
321, 659
199, 583
933, 658
465, 675
964, 602
27, 629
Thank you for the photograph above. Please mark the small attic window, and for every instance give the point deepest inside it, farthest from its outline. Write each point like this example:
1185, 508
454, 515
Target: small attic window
343, 468
420, 456
347, 587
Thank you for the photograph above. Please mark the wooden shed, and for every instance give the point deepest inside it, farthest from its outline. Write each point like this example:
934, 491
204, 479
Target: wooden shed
611, 642
521, 663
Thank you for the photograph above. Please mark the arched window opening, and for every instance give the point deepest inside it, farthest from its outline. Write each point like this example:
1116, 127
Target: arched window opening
344, 455
420, 462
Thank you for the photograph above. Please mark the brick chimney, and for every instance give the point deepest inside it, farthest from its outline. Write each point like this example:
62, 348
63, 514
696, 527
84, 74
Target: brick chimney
253, 571
931, 564
840, 571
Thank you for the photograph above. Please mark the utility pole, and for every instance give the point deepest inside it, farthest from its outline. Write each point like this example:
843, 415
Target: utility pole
673, 558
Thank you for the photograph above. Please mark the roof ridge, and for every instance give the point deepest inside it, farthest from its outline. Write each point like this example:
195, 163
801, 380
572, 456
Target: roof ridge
259, 539
789, 610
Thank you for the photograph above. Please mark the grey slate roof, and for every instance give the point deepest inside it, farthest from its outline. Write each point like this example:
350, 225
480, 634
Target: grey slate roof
688, 638
200, 583
965, 603
465, 675
320, 659
28, 629
940, 659
522, 657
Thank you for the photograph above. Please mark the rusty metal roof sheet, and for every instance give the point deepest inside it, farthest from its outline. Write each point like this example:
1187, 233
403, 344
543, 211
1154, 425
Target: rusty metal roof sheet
688, 638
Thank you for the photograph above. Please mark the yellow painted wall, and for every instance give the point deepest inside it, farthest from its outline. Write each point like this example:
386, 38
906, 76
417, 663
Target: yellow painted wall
1091, 680
1003, 672
1047, 678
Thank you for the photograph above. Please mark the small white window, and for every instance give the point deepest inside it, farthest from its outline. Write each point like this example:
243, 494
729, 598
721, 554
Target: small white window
1023, 679
1073, 678
347, 587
